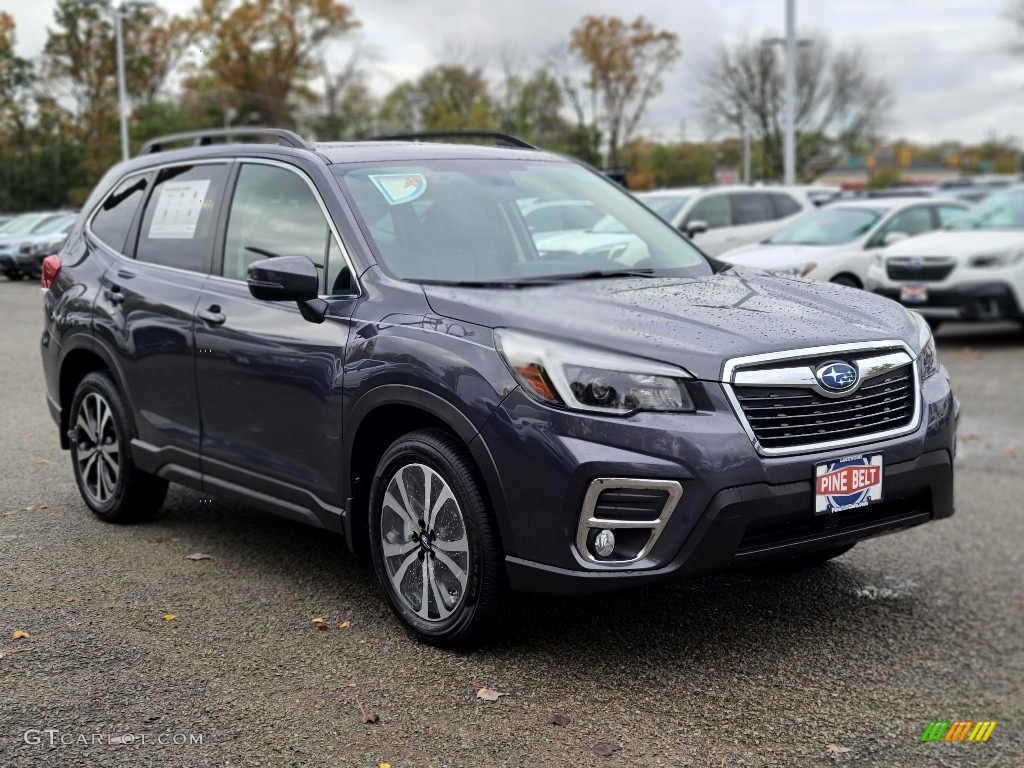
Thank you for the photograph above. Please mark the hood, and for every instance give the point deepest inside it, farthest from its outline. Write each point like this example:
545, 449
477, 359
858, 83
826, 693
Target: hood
695, 323
959, 243
776, 256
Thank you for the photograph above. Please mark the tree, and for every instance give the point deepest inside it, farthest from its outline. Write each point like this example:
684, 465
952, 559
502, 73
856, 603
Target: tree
838, 99
625, 64
262, 54
531, 107
16, 80
447, 97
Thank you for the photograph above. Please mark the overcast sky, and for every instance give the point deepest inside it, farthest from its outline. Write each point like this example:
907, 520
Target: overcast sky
948, 61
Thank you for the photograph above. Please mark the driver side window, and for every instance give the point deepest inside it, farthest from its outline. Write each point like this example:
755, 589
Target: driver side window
714, 210
275, 213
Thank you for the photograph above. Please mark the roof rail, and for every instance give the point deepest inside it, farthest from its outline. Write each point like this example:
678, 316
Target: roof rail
202, 138
501, 139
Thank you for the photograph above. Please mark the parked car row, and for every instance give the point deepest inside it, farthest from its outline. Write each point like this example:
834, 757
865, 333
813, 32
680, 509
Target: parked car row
27, 239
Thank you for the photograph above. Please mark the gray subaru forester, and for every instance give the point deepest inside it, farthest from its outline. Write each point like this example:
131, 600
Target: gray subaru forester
488, 366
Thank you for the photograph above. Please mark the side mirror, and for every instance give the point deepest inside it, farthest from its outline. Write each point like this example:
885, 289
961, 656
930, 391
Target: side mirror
284, 278
894, 237
695, 227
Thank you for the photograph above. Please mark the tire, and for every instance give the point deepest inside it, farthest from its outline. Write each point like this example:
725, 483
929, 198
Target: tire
110, 483
14, 274
848, 280
414, 568
812, 559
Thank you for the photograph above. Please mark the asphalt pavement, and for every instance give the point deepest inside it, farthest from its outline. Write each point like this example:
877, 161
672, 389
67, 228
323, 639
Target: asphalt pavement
139, 656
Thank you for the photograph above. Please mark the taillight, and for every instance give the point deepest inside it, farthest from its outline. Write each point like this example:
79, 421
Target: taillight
51, 266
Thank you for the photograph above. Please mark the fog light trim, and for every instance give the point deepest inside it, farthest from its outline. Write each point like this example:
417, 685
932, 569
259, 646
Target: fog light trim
654, 527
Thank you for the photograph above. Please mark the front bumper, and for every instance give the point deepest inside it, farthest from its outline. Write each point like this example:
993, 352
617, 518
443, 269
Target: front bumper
737, 508
987, 301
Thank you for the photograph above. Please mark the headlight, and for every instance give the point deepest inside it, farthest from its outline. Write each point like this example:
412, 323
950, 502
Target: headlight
927, 356
563, 374
800, 270
1003, 258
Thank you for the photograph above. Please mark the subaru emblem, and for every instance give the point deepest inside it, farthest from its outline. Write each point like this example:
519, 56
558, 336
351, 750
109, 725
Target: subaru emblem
837, 376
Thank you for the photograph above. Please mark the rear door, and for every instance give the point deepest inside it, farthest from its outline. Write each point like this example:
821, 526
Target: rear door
269, 382
147, 302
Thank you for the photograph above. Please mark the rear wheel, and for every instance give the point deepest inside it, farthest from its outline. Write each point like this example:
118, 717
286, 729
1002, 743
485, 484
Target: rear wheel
110, 483
13, 274
435, 549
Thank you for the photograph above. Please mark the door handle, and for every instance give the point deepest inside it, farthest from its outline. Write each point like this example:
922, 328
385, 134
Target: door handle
212, 315
113, 294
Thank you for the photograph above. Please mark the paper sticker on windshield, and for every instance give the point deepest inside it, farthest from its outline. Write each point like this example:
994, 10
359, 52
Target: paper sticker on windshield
399, 188
177, 210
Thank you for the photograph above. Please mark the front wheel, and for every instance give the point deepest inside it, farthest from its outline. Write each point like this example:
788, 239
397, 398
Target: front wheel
110, 483
848, 280
435, 548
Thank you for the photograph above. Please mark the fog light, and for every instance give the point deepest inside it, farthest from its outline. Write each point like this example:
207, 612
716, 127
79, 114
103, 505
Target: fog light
604, 543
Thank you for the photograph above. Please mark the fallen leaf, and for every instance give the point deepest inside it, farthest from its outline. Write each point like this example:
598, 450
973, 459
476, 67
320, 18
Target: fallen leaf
605, 748
351, 685
12, 651
344, 624
42, 461
198, 556
20, 634
370, 718
73, 600
489, 694
151, 718
835, 749
319, 622
77, 624
169, 617
29, 508
384, 765
560, 720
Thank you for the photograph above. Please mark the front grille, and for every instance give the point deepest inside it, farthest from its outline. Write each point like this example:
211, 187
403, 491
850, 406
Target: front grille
786, 417
907, 270
631, 503
25, 249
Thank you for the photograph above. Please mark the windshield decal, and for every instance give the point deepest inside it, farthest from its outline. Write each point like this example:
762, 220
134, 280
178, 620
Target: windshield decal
399, 188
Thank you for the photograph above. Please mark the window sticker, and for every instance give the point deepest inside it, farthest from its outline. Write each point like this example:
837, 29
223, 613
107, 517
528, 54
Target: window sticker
177, 210
399, 188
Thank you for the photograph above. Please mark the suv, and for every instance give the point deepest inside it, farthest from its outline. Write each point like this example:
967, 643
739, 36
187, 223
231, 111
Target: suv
719, 219
364, 337
973, 270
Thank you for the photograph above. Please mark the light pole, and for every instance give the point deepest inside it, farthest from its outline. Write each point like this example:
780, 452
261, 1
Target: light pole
119, 12
789, 118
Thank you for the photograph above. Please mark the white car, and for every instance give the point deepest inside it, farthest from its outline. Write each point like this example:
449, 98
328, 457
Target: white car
973, 270
837, 243
719, 219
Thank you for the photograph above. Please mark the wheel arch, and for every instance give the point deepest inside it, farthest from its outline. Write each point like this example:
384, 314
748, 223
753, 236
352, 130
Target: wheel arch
840, 278
83, 357
381, 417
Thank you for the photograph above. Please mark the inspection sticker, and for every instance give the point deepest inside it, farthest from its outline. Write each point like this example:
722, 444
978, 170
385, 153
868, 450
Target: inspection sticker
846, 483
399, 188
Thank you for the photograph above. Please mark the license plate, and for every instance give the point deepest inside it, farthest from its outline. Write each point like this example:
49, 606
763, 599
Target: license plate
914, 294
847, 483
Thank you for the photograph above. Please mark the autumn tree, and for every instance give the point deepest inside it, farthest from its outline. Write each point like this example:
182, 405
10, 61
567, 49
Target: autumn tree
16, 79
626, 64
838, 99
260, 56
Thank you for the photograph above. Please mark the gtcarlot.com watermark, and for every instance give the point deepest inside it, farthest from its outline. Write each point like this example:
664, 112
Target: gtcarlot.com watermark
54, 737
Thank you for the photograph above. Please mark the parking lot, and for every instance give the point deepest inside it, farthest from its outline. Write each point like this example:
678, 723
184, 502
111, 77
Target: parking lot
138, 655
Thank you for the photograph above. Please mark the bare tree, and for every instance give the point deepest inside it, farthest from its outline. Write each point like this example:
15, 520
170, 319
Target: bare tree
839, 100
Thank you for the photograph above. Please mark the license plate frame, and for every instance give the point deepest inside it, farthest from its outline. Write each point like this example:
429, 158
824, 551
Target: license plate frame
848, 482
913, 293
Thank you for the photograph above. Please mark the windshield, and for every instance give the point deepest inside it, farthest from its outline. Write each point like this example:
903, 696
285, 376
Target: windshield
54, 226
1003, 210
461, 221
26, 223
666, 206
828, 226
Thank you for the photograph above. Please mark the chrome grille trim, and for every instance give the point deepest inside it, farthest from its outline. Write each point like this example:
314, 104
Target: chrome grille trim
872, 360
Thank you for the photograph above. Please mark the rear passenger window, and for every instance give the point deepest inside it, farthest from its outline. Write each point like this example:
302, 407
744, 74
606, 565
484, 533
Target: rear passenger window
751, 208
114, 217
181, 216
784, 205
